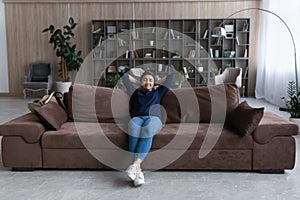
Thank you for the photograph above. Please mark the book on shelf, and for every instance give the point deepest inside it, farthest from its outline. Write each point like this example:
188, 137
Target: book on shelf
237, 40
165, 35
246, 72
211, 52
172, 34
100, 41
95, 53
122, 42
134, 54
245, 27
193, 28
153, 53
218, 41
101, 53
185, 72
203, 82
166, 68
205, 34
192, 53
135, 35
98, 30
246, 53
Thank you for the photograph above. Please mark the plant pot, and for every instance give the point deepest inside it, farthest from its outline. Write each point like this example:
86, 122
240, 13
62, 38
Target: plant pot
296, 121
63, 86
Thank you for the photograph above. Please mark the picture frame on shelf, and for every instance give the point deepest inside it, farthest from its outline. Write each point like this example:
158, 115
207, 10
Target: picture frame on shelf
111, 29
229, 28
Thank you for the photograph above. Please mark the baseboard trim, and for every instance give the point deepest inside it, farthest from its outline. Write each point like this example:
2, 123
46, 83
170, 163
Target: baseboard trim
22, 169
272, 171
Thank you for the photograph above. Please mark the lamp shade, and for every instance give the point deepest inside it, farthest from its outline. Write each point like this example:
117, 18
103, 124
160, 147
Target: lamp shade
218, 32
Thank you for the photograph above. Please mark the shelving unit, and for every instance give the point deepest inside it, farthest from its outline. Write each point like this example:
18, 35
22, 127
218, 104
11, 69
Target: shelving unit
185, 44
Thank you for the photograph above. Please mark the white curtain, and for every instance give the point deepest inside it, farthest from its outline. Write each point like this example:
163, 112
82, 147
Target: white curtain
4, 88
276, 61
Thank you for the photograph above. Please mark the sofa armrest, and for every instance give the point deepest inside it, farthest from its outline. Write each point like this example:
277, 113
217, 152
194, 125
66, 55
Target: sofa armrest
27, 126
272, 125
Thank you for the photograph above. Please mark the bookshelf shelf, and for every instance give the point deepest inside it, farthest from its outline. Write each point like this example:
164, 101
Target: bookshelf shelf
181, 43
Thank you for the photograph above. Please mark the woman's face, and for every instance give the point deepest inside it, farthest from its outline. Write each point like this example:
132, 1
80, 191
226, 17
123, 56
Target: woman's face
147, 82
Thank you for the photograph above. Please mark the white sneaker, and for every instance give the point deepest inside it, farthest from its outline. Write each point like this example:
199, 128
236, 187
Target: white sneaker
131, 171
139, 180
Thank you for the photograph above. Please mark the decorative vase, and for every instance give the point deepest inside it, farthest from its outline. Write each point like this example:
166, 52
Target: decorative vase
63, 86
296, 121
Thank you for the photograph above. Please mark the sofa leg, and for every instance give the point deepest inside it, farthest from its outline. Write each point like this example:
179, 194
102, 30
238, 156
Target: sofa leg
272, 171
22, 169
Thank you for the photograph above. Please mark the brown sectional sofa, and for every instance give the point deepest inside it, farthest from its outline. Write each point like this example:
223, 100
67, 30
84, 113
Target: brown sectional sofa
94, 136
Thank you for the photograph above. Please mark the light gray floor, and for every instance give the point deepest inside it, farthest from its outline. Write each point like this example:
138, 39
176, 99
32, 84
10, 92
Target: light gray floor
95, 185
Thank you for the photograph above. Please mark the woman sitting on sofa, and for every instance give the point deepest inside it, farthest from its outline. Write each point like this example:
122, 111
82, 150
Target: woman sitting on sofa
145, 117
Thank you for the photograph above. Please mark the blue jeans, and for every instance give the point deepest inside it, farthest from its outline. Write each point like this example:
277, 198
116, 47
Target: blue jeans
141, 131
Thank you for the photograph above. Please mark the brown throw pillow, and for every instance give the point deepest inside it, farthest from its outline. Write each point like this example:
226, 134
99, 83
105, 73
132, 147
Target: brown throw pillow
244, 118
52, 115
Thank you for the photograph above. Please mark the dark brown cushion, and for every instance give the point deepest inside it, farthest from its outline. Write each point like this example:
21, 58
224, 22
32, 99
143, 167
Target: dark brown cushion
179, 104
52, 115
244, 118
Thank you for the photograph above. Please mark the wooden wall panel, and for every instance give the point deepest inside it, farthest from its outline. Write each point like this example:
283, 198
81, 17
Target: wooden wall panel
25, 41
25, 21
115, 1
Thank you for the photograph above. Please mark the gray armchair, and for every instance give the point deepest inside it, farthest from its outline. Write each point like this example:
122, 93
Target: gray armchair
39, 78
230, 75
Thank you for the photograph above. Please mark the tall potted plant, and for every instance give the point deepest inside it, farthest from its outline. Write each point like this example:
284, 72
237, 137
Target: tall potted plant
293, 102
70, 58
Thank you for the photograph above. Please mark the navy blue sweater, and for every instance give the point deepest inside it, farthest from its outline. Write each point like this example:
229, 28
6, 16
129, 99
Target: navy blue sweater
144, 102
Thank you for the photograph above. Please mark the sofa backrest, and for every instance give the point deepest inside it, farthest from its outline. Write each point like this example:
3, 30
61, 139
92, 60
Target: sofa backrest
218, 99
94, 103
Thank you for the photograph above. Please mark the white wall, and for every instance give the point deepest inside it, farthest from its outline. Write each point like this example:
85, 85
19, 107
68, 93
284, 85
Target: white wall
3, 53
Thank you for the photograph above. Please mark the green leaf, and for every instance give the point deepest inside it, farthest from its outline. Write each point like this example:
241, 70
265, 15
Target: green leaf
46, 29
71, 20
57, 53
73, 47
57, 32
74, 25
52, 28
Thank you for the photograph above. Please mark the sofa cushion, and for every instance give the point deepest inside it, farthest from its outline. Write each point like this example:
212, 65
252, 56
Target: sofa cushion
51, 115
272, 125
228, 139
88, 135
244, 118
220, 99
88, 103
79, 135
29, 122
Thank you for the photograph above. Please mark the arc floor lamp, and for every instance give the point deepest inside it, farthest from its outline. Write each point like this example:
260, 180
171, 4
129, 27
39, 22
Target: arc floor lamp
220, 32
